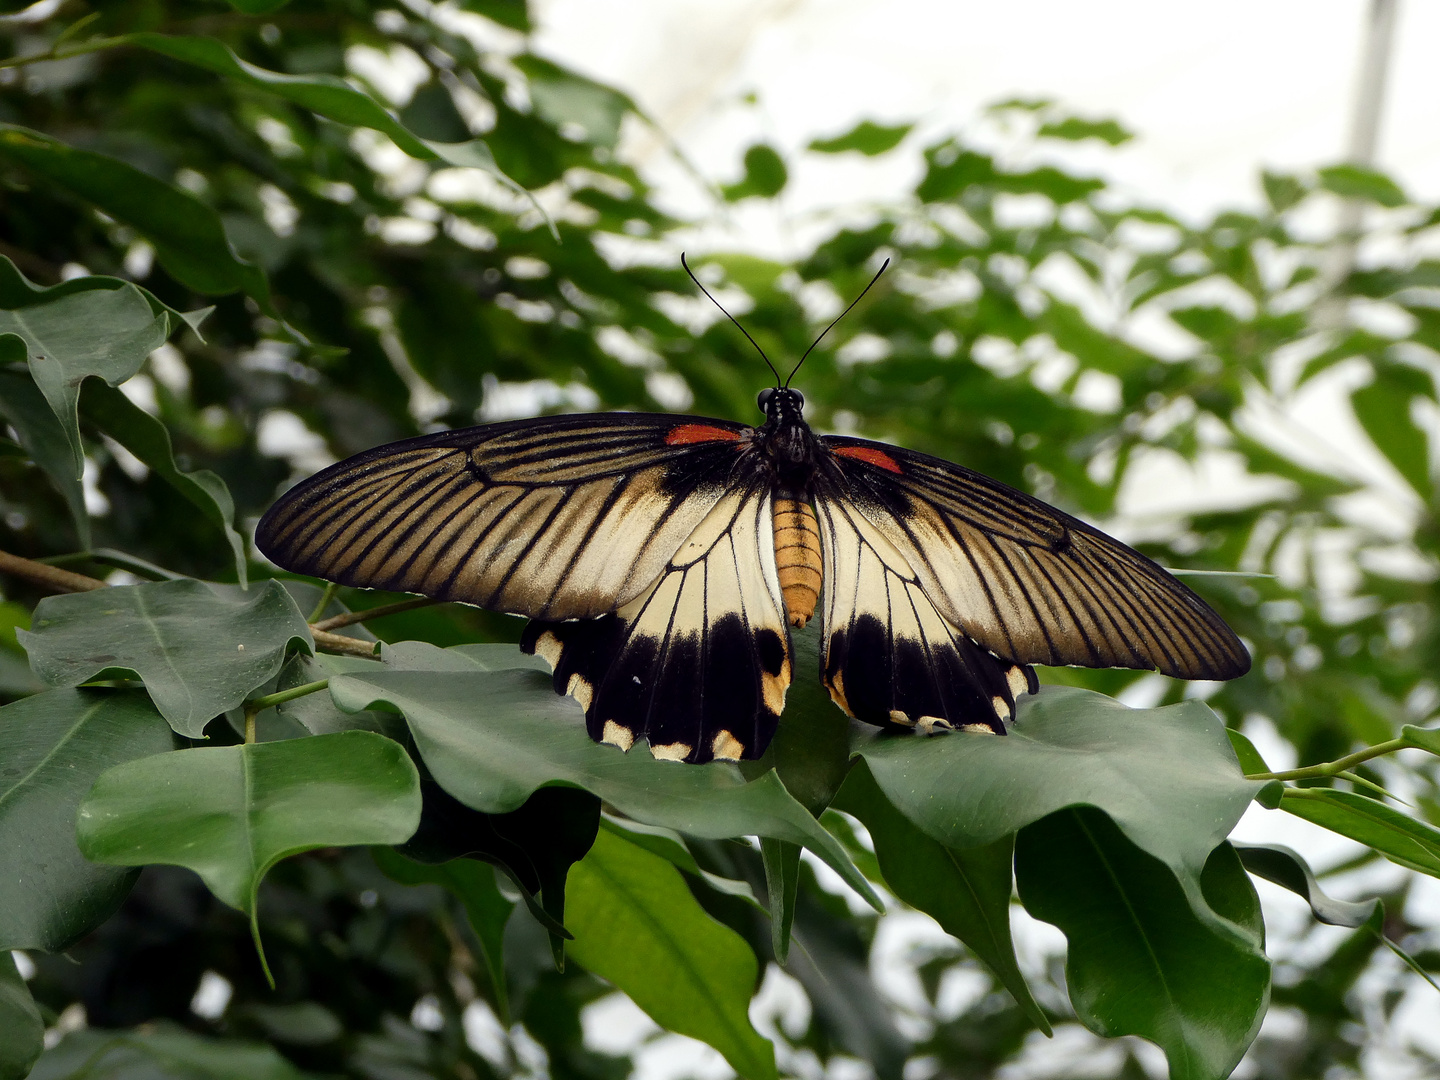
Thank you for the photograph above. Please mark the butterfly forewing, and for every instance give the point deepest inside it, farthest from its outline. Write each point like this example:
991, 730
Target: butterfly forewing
1024, 580
558, 518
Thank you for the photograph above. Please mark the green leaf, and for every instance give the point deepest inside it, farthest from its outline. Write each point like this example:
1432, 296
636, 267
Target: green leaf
187, 235
168, 1054
1356, 182
765, 175
44, 439
257, 7
147, 438
492, 738
1383, 409
637, 925
105, 333
473, 884
1420, 738
1167, 777
512, 13
1250, 760
1288, 869
563, 97
1074, 129
230, 813
1399, 838
52, 747
1281, 191
671, 846
867, 137
1140, 960
199, 648
966, 890
24, 1037
782, 880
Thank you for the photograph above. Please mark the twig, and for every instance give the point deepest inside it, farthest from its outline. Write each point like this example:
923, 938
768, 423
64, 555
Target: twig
347, 646
349, 618
51, 577
1334, 768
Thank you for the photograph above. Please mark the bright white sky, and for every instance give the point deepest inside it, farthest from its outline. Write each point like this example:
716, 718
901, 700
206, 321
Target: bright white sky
1215, 90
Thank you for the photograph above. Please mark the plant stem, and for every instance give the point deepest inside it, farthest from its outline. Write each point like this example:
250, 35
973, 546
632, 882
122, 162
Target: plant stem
1334, 768
329, 594
51, 577
346, 646
94, 45
349, 618
265, 701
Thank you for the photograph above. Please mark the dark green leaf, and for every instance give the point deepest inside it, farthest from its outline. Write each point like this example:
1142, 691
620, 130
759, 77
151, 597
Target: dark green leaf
1140, 961
1399, 838
230, 813
671, 846
199, 648
1356, 182
511, 13
637, 925
24, 1036
868, 137
167, 1054
1282, 191
966, 890
44, 439
473, 884
187, 235
52, 747
1250, 760
146, 437
1074, 129
765, 175
527, 737
1289, 870
1383, 409
562, 97
782, 879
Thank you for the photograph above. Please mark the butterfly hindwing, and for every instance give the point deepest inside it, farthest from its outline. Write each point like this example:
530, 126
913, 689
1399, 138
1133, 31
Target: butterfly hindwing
1023, 579
699, 662
556, 518
888, 656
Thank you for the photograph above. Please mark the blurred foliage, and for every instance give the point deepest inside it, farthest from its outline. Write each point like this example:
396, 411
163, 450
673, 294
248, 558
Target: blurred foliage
405, 221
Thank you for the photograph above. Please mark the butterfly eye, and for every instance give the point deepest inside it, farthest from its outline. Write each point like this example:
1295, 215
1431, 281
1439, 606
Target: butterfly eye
764, 399
799, 398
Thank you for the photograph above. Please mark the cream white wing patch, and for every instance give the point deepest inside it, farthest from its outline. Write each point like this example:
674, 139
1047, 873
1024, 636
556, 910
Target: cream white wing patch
697, 664
889, 657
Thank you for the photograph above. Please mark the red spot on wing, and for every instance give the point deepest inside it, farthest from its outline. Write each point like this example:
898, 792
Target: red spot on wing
698, 433
871, 456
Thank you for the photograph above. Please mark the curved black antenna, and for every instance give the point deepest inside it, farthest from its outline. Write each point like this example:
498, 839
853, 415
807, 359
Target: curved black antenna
732, 318
836, 320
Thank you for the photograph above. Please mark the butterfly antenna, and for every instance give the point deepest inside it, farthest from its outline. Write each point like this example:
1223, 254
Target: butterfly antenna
732, 318
837, 319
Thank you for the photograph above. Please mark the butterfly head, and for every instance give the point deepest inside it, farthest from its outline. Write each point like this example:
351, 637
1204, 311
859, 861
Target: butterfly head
781, 404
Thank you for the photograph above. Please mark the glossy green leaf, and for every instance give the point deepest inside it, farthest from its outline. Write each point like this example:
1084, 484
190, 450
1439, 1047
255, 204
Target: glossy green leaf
187, 235
671, 846
1400, 838
230, 813
636, 924
1140, 961
1168, 777
1288, 869
473, 884
24, 1031
492, 738
1427, 739
782, 880
1074, 129
1357, 182
146, 437
562, 97
105, 333
1383, 409
866, 137
199, 648
170, 1053
52, 747
44, 439
1250, 760
966, 890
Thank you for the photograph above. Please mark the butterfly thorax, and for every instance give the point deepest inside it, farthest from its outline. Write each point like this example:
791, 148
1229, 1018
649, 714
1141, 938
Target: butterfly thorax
786, 440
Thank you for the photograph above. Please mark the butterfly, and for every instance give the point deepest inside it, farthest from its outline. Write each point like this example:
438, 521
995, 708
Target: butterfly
662, 560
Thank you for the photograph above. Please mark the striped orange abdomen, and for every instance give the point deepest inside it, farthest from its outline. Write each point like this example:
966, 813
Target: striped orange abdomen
797, 558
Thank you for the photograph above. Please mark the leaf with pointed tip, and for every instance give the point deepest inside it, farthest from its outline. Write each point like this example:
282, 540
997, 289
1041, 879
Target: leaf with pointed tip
170, 1053
637, 925
866, 137
24, 1037
1288, 869
671, 846
52, 747
1400, 838
43, 437
199, 648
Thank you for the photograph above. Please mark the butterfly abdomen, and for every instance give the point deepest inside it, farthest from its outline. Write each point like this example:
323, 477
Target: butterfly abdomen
797, 558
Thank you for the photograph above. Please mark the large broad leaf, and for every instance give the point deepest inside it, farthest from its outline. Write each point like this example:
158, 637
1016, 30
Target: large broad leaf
199, 648
43, 436
1399, 838
491, 738
637, 925
24, 1031
473, 884
105, 333
1140, 961
146, 437
1168, 777
231, 813
966, 890
52, 747
187, 235
167, 1054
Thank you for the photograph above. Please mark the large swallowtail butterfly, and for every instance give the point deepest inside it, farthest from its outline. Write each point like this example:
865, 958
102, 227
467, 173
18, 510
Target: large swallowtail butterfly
662, 560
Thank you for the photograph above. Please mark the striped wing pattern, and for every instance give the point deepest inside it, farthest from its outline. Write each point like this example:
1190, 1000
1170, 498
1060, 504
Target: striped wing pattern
1024, 580
699, 663
559, 518
888, 656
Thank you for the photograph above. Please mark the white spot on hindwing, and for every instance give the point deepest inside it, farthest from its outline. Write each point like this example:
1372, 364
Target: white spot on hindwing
933, 725
675, 751
618, 735
548, 648
978, 729
1015, 676
727, 746
1001, 707
898, 717
581, 690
